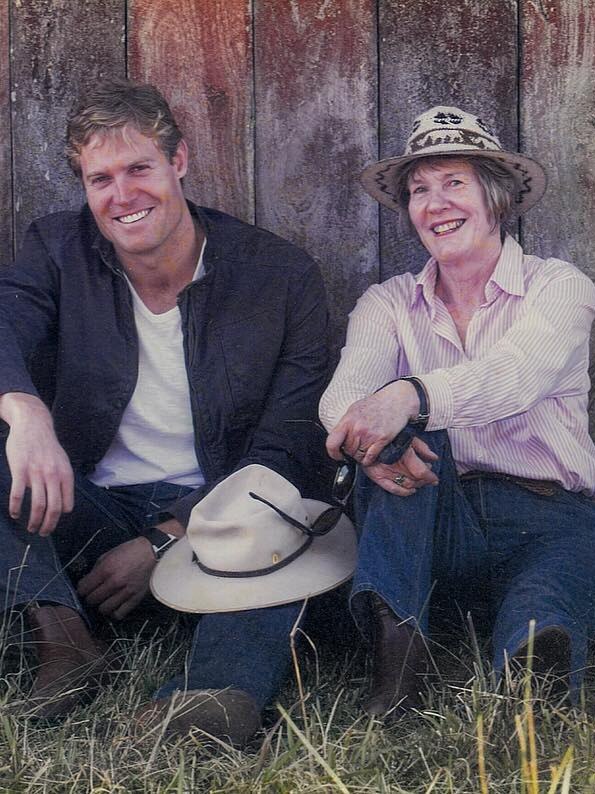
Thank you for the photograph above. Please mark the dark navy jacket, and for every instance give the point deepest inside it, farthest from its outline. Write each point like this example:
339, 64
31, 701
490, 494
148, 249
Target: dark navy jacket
255, 342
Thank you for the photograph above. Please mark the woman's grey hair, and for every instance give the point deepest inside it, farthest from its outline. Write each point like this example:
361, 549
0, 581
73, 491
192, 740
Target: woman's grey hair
497, 184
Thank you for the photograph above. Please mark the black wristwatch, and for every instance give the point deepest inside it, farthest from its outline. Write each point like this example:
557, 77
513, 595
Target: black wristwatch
160, 541
421, 420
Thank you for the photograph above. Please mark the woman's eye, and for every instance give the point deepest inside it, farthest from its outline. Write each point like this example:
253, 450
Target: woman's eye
418, 189
456, 182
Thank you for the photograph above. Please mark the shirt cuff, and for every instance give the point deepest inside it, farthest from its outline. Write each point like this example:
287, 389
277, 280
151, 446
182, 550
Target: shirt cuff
440, 399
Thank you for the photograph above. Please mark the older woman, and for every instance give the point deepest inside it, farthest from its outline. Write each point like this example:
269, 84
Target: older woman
486, 353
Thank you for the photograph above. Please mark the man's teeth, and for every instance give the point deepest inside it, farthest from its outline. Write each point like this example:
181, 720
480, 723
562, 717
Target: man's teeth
136, 216
447, 227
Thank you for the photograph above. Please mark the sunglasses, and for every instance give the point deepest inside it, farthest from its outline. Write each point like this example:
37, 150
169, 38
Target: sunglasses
342, 487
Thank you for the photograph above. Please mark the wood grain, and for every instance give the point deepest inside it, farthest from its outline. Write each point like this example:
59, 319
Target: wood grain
436, 53
558, 125
558, 129
316, 108
199, 54
62, 48
5, 139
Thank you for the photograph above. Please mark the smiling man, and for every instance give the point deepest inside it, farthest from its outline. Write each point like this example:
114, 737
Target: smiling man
150, 349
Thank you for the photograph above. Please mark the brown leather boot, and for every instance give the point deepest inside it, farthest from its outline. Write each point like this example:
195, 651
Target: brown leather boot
231, 715
69, 661
551, 659
400, 660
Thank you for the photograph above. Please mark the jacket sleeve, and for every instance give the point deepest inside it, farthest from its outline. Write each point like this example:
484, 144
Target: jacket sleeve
28, 311
286, 437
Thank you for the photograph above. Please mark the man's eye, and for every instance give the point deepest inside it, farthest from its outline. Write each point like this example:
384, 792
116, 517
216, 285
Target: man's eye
98, 180
138, 168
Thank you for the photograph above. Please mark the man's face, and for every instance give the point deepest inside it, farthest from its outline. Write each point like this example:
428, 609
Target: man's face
134, 191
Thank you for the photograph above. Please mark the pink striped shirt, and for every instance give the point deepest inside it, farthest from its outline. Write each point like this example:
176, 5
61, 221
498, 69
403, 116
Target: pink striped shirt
514, 399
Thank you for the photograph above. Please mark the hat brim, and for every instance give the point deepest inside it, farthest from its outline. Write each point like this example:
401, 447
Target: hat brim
379, 179
329, 561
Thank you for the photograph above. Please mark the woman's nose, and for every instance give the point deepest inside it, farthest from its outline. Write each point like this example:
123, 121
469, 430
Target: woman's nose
437, 199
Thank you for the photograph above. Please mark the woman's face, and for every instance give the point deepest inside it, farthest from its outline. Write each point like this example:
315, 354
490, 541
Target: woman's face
448, 210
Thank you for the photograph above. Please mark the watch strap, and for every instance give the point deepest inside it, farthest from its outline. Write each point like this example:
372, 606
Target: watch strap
421, 420
160, 541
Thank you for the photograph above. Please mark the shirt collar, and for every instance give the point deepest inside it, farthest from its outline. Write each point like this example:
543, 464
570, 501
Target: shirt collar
425, 283
507, 275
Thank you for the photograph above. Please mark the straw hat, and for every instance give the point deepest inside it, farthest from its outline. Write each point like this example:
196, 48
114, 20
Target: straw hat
451, 131
239, 553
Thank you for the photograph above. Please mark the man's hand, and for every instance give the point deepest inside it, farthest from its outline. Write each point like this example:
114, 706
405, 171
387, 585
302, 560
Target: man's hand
36, 461
119, 580
371, 423
414, 466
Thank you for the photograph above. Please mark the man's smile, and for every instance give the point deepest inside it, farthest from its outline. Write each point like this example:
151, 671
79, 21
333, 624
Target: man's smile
133, 217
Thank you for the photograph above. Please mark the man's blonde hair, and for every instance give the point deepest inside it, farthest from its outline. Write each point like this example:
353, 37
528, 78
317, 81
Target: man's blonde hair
115, 104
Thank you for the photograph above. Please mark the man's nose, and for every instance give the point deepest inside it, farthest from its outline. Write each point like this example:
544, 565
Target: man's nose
123, 190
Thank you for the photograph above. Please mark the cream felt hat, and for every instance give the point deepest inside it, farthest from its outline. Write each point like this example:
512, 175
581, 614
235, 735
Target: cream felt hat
240, 553
451, 131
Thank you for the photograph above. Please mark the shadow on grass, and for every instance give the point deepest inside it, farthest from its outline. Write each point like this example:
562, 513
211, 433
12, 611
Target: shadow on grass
469, 736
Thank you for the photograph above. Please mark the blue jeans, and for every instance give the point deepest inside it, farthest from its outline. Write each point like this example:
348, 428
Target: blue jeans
248, 650
533, 556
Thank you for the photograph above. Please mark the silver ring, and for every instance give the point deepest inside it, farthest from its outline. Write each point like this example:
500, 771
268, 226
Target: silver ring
399, 479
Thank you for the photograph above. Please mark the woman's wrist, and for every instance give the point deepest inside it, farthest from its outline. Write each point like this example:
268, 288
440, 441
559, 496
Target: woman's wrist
420, 420
416, 393
404, 393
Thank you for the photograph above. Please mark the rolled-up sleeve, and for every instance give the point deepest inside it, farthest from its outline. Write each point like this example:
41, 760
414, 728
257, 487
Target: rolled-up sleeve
368, 360
542, 355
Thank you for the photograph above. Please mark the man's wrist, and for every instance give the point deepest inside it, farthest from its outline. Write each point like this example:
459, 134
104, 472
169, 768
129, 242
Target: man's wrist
15, 406
160, 541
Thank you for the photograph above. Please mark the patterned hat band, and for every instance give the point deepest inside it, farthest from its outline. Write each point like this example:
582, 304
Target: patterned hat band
458, 138
449, 131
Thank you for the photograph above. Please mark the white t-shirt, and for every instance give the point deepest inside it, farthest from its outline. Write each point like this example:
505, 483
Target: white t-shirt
155, 440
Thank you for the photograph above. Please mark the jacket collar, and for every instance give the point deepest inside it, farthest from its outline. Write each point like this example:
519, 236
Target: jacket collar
217, 239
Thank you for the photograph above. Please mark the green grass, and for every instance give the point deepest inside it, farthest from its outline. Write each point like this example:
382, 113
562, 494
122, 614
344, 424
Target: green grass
470, 737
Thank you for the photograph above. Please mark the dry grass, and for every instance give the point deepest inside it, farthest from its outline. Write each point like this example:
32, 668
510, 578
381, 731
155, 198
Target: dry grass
471, 737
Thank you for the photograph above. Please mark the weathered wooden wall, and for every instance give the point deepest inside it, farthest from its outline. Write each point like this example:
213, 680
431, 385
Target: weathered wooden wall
6, 240
284, 101
200, 55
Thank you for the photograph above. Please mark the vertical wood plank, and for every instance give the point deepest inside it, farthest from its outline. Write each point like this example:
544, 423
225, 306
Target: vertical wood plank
316, 102
199, 54
5, 139
436, 53
60, 48
558, 125
558, 129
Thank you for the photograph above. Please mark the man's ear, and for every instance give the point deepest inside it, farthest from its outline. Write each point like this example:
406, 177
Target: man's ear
180, 159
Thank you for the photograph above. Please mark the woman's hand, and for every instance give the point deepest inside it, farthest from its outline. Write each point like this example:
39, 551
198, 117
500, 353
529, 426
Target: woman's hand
414, 466
370, 424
